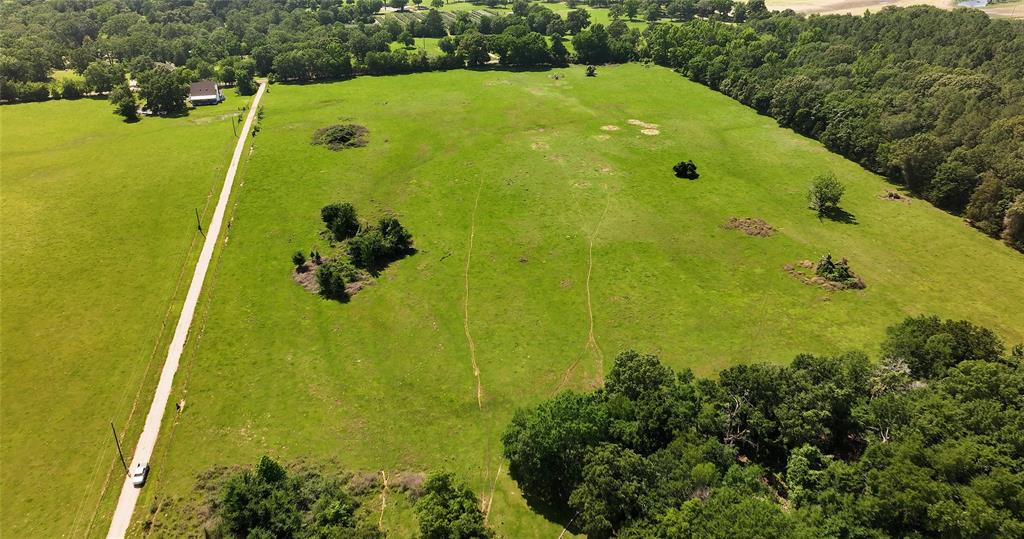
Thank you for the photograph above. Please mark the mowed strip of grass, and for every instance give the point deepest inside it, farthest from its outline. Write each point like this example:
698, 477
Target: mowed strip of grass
540, 170
98, 233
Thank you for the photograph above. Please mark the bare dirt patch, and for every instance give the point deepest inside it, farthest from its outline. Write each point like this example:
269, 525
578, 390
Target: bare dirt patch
609, 128
650, 132
750, 226
539, 145
640, 123
565, 283
894, 196
305, 275
804, 271
601, 137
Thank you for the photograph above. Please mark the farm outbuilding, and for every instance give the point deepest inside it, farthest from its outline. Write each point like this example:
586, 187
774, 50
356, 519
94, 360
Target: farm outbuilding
205, 92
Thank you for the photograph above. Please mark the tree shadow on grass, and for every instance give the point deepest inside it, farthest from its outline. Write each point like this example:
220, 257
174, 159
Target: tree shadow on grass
564, 516
839, 215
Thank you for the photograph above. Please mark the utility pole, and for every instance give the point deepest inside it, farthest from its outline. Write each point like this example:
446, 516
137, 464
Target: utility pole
118, 444
199, 224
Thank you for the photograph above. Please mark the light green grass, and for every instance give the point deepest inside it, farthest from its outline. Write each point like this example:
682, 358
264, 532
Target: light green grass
97, 223
66, 74
385, 382
428, 44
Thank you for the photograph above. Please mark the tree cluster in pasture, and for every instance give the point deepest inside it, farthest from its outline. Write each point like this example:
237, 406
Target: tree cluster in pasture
268, 501
361, 249
924, 443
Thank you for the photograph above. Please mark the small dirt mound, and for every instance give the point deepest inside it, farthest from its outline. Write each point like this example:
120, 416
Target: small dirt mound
752, 227
305, 275
642, 124
894, 196
806, 272
609, 128
650, 132
341, 136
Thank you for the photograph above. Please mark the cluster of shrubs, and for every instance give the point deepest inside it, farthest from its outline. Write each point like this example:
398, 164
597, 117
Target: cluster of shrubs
365, 249
686, 169
268, 501
837, 271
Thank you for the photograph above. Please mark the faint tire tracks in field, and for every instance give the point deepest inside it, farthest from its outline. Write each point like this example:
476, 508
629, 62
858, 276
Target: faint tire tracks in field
591, 346
490, 498
465, 300
383, 498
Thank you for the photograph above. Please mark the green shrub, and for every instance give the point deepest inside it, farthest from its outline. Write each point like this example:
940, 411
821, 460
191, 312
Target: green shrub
299, 259
338, 137
341, 219
333, 275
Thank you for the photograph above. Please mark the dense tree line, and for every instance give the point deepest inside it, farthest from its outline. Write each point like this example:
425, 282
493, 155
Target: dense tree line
932, 99
924, 443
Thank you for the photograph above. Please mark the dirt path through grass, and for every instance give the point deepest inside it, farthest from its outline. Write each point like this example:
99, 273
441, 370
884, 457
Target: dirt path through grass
147, 440
465, 300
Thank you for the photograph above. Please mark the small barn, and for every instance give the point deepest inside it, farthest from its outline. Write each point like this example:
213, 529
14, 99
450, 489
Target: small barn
205, 92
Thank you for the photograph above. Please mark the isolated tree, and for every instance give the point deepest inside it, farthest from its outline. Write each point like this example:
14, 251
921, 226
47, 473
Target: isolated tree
398, 4
125, 104
824, 194
591, 71
448, 509
163, 91
299, 259
341, 219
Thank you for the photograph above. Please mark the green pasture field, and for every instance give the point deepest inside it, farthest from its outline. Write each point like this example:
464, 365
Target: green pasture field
538, 211
428, 44
97, 245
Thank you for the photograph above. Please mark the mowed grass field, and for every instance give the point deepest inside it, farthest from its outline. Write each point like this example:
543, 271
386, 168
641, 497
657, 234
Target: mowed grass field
97, 245
529, 215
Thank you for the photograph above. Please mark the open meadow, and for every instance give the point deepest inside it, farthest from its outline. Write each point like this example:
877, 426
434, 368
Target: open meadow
97, 242
550, 235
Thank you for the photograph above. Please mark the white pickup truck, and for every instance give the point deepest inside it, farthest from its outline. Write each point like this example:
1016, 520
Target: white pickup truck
139, 473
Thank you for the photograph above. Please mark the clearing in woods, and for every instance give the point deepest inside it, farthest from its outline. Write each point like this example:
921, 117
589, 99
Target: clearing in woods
384, 382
